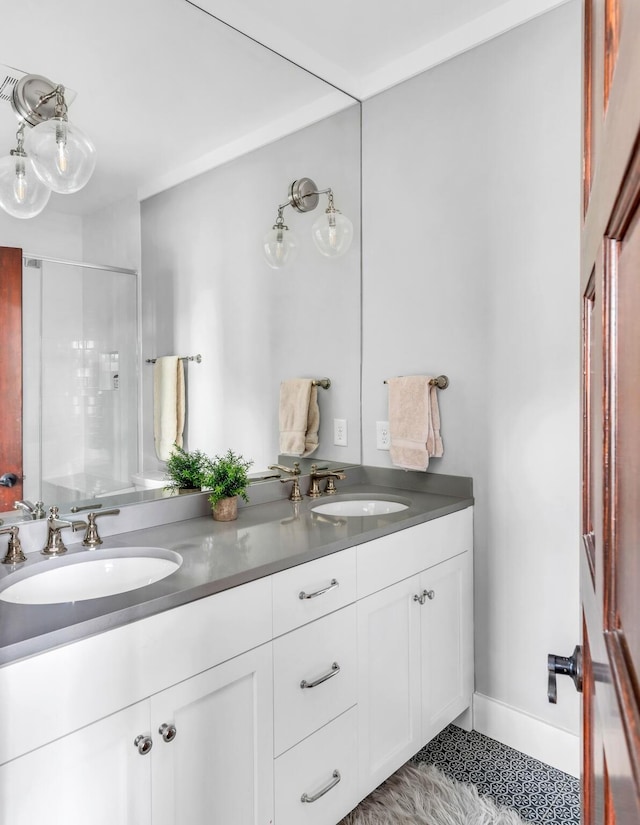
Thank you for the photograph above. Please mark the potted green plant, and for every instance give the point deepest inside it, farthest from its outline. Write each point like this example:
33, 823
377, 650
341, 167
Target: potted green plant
186, 469
226, 480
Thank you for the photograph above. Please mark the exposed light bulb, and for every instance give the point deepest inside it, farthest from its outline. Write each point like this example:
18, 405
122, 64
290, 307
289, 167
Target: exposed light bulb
22, 193
20, 186
279, 245
332, 232
62, 154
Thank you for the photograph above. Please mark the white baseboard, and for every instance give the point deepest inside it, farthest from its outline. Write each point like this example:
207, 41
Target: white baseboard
506, 724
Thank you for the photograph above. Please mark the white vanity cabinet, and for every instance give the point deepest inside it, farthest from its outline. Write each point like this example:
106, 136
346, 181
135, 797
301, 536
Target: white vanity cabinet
283, 701
415, 641
216, 762
199, 756
93, 775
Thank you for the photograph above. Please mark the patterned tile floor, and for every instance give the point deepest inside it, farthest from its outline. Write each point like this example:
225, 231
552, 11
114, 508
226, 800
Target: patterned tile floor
539, 793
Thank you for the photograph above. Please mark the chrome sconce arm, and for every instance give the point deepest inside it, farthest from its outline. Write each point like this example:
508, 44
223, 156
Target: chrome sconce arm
332, 232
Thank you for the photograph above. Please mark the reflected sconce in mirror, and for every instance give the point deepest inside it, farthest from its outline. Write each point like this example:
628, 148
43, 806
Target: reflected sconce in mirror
52, 154
332, 232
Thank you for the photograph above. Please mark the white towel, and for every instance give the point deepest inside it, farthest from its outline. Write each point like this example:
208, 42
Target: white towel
168, 404
299, 417
414, 422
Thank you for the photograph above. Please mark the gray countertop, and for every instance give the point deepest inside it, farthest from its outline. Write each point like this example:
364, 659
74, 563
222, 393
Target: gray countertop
265, 539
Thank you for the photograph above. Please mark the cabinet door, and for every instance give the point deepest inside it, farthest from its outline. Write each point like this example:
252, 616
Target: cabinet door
447, 643
94, 775
388, 681
218, 765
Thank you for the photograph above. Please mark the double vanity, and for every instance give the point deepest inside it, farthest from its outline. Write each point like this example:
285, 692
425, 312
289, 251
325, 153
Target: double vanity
277, 669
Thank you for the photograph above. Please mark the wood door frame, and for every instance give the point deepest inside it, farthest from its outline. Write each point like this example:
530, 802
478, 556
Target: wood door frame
11, 457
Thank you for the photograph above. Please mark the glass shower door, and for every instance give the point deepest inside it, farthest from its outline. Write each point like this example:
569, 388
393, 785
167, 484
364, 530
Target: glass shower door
89, 381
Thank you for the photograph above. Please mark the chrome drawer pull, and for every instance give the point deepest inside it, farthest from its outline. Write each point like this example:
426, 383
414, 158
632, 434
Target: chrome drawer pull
336, 778
335, 669
334, 583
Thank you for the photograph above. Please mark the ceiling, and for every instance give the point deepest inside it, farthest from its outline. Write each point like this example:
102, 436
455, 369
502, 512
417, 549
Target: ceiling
170, 88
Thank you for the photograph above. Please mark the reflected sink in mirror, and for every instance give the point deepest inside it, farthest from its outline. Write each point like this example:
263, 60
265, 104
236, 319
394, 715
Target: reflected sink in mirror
361, 506
89, 575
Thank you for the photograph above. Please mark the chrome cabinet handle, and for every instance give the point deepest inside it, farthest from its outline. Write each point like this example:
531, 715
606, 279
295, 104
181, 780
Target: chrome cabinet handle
332, 586
334, 781
426, 594
335, 669
168, 732
143, 744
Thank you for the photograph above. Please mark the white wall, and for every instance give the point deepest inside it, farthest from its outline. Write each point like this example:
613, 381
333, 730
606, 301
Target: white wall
207, 290
471, 185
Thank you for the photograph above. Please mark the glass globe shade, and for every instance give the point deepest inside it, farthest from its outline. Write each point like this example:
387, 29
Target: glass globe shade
62, 155
332, 234
280, 247
22, 193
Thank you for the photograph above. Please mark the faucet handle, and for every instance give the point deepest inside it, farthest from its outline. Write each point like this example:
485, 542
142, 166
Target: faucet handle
296, 495
91, 537
14, 548
294, 471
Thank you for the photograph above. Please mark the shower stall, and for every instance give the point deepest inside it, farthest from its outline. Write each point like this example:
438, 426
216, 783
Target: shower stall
80, 379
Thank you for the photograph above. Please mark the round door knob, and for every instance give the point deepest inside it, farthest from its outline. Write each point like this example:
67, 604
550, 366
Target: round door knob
168, 732
143, 744
430, 594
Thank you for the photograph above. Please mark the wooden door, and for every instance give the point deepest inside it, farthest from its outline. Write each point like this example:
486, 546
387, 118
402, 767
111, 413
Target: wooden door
610, 279
11, 373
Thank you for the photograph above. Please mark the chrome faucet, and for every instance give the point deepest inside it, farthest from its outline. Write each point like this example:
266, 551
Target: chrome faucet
34, 510
317, 475
91, 537
14, 549
55, 546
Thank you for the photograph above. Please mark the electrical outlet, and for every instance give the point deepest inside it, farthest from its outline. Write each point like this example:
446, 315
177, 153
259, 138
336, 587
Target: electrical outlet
340, 432
383, 439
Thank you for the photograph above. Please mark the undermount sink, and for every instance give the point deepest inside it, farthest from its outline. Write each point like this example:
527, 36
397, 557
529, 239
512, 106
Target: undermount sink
361, 506
89, 575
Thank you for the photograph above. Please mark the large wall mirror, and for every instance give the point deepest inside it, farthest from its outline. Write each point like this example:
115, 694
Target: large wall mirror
199, 132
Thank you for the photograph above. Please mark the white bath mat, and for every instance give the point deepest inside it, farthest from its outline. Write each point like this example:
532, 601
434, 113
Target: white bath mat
422, 795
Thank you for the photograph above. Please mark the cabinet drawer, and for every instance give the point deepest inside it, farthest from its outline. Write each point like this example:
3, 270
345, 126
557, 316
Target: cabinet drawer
324, 653
392, 558
326, 584
326, 760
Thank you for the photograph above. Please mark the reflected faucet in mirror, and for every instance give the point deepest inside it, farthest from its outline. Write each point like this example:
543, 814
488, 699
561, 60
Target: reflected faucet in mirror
35, 511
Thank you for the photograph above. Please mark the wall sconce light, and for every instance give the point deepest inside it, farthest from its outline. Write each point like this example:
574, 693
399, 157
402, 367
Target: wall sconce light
332, 232
61, 155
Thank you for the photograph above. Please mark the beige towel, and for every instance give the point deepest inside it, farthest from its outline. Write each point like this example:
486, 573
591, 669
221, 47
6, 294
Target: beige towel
414, 422
168, 404
299, 417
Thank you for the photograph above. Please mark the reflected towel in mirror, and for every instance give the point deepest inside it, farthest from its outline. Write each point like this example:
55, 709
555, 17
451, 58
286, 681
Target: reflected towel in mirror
299, 417
168, 404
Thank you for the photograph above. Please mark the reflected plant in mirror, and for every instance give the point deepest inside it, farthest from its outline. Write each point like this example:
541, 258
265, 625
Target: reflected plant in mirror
187, 470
